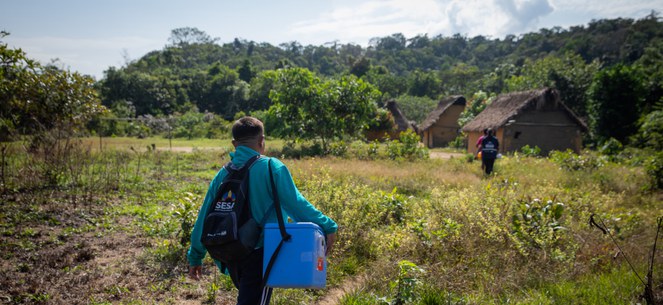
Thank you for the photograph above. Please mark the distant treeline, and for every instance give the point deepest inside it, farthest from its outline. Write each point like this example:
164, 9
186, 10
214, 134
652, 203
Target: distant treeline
610, 72
193, 69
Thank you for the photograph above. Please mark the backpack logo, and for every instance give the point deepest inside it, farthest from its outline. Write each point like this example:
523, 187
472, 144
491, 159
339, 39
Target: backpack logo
227, 202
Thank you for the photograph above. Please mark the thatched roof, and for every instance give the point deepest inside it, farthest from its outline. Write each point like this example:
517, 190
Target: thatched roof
442, 106
507, 106
401, 121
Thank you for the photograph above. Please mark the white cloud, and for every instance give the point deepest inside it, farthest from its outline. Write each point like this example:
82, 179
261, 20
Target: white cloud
87, 56
359, 22
371, 19
612, 8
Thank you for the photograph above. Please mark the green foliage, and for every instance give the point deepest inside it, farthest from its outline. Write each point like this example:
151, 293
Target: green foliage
36, 98
416, 108
460, 142
422, 83
570, 161
537, 224
189, 125
361, 298
313, 109
407, 282
654, 168
611, 148
650, 133
616, 97
432, 296
477, 104
383, 121
528, 151
569, 73
614, 287
469, 234
185, 213
407, 147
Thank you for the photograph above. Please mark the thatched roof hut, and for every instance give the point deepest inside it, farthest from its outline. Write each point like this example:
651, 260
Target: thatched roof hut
534, 118
441, 125
402, 124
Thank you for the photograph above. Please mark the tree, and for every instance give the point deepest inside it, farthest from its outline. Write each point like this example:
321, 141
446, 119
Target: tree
261, 85
389, 84
360, 67
568, 73
650, 133
312, 109
245, 71
188, 35
416, 108
422, 83
225, 95
36, 98
616, 96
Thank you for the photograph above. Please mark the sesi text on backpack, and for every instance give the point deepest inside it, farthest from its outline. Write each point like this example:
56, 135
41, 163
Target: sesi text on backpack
229, 231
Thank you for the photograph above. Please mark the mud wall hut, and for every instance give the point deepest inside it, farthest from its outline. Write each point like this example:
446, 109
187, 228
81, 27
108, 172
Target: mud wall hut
441, 125
534, 118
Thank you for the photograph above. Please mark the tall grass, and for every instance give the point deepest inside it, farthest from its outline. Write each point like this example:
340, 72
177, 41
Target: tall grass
519, 236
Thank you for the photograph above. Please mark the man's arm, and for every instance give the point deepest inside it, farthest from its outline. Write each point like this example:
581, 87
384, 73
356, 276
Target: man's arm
294, 203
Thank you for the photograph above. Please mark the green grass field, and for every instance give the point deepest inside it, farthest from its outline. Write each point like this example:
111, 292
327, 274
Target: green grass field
110, 227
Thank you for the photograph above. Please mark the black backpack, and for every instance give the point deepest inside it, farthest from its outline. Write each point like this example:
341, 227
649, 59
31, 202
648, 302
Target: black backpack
489, 146
229, 231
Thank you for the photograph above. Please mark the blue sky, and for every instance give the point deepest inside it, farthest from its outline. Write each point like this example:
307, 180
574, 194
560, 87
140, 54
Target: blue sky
89, 36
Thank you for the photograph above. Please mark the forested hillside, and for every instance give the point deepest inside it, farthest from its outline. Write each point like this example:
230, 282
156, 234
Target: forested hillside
609, 72
193, 69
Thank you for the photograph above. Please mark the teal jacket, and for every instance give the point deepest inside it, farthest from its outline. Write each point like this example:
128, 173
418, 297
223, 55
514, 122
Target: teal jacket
293, 204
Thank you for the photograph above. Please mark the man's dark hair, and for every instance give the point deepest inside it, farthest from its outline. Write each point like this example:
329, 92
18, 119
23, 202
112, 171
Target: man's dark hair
247, 129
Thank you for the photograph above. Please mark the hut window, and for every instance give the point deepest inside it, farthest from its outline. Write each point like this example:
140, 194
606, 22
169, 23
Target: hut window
516, 135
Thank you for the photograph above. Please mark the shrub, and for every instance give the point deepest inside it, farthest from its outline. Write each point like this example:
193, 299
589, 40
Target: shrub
530, 151
407, 147
536, 224
568, 160
338, 149
654, 168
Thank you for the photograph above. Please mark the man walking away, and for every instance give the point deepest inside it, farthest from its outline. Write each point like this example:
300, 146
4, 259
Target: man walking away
246, 274
489, 149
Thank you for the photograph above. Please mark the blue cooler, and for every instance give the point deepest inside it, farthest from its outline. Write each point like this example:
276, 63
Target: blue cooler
301, 261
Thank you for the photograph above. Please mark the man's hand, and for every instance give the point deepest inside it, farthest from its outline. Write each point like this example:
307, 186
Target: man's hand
195, 272
331, 238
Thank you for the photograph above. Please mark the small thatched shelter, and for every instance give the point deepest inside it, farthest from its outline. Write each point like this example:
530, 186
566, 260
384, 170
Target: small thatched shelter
402, 124
534, 118
441, 126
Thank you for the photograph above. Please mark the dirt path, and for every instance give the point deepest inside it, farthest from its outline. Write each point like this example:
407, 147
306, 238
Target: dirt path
335, 295
445, 155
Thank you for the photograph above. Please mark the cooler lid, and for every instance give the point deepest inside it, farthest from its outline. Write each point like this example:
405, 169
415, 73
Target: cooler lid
294, 226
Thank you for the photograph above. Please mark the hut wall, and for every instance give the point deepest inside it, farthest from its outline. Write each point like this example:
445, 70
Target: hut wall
473, 137
549, 130
445, 130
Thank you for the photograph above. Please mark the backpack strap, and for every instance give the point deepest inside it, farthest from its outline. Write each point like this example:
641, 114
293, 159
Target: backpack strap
284, 237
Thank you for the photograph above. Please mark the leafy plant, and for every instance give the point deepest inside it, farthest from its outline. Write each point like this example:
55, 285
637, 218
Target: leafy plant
528, 151
185, 215
570, 161
654, 168
407, 282
537, 223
